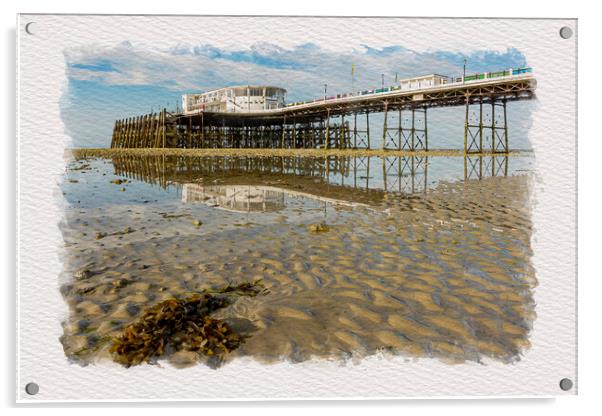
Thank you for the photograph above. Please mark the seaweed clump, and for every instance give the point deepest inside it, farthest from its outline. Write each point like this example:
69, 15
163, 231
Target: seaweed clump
185, 324
319, 227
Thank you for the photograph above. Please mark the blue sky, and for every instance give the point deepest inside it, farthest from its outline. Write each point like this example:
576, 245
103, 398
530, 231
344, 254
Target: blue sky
128, 80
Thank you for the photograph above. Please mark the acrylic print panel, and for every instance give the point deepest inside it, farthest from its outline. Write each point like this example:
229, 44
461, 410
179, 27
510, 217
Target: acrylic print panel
212, 210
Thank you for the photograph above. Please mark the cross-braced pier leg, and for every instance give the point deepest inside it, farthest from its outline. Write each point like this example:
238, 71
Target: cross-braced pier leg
340, 138
415, 135
391, 131
327, 130
409, 133
385, 114
361, 134
419, 129
485, 123
499, 127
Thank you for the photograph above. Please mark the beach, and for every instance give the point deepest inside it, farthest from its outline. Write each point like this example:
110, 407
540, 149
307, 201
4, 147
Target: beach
360, 254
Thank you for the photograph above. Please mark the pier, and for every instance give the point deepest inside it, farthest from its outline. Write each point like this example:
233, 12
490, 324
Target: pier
343, 121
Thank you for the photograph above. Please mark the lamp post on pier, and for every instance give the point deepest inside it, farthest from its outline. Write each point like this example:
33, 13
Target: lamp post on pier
464, 73
325, 86
382, 77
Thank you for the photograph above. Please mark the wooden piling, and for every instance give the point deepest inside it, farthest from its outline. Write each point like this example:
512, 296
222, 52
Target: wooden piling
327, 133
426, 132
466, 131
384, 143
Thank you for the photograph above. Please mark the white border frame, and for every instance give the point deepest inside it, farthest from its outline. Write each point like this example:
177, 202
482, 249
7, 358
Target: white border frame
40, 164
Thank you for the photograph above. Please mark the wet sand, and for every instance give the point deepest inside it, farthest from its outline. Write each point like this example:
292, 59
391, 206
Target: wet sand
266, 152
443, 273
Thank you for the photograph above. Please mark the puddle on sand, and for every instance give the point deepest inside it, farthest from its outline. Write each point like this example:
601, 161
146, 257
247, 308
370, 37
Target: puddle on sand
419, 257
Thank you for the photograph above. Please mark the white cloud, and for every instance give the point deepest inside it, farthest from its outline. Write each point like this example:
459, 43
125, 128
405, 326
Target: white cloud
303, 69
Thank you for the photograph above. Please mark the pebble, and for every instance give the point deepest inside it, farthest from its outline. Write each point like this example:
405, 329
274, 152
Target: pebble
82, 274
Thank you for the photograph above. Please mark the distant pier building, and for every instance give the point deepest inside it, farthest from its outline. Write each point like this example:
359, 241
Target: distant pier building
238, 99
424, 81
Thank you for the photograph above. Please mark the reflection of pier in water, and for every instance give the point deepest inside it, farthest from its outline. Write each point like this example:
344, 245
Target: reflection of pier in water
361, 179
252, 198
240, 198
478, 167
